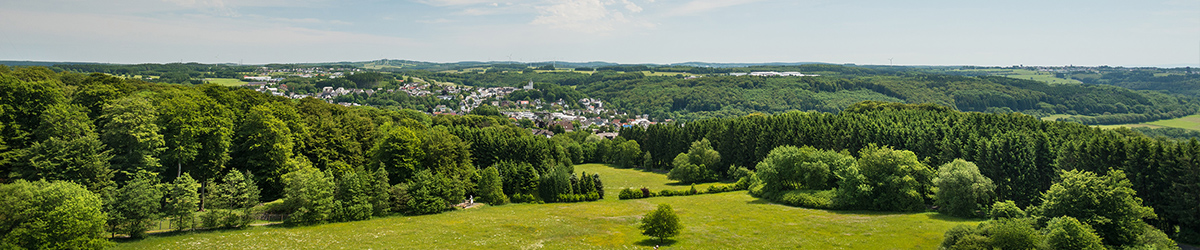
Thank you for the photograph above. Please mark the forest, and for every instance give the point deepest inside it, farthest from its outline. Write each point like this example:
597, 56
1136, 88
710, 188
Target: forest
96, 154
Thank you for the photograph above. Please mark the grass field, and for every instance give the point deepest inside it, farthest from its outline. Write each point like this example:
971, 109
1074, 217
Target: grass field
231, 82
1191, 122
1046, 77
732, 220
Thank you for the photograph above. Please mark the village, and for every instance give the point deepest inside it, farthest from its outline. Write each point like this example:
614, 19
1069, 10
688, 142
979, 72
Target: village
591, 114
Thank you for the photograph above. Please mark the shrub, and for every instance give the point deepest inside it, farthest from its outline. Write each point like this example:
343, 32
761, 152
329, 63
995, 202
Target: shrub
1067, 233
1006, 209
961, 189
44, 214
807, 198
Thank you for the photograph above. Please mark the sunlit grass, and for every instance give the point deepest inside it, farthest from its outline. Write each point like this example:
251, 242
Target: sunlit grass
732, 220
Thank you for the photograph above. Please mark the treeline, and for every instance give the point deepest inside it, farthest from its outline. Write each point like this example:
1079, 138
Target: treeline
1020, 153
127, 153
166, 73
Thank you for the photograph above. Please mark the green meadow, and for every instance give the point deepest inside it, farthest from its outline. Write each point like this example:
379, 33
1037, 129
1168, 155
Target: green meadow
732, 220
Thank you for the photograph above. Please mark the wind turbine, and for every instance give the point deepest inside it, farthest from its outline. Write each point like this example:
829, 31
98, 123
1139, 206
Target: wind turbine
890, 61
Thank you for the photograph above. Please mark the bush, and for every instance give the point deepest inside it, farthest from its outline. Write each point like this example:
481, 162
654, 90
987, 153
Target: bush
593, 196
1006, 209
807, 198
1067, 233
44, 214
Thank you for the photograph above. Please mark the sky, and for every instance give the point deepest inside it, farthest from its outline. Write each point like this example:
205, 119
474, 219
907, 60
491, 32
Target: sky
878, 32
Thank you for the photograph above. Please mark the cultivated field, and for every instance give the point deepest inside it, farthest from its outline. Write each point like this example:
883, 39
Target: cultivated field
1191, 122
1046, 77
230, 82
711, 221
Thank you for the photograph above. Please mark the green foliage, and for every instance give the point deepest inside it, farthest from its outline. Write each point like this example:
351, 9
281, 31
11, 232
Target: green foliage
627, 154
661, 223
129, 129
887, 180
1006, 210
486, 110
232, 200
1014, 234
197, 131
553, 183
686, 172
264, 144
822, 199
182, 200
51, 215
308, 193
491, 187
788, 167
69, 149
424, 194
353, 198
699, 164
961, 189
398, 151
1106, 203
519, 178
137, 204
1067, 233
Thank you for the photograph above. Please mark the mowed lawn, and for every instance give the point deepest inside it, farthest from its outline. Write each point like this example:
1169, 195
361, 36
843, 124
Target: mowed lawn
732, 220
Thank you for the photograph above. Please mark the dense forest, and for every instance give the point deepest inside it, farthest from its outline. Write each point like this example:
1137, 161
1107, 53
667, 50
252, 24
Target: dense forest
118, 154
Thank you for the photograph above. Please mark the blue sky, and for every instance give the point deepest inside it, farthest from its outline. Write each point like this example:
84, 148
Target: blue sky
1116, 33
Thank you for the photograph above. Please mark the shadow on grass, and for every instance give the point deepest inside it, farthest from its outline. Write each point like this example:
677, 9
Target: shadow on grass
655, 242
930, 214
125, 239
682, 184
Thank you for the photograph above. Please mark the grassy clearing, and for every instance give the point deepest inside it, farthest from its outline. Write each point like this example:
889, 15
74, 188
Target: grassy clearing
732, 220
1191, 122
616, 179
230, 82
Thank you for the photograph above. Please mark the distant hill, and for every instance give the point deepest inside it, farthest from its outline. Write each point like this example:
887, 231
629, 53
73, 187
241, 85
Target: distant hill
40, 63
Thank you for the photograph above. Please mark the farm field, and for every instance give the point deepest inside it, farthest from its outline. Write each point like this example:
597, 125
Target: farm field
1046, 77
711, 221
1191, 122
231, 82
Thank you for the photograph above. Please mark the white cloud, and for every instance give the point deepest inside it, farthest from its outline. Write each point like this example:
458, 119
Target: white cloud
700, 6
588, 16
432, 21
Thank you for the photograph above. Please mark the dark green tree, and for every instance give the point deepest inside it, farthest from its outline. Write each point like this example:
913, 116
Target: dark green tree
661, 223
129, 129
491, 187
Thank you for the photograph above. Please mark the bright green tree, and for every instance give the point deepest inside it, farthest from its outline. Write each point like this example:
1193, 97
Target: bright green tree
137, 205
1106, 203
424, 191
233, 199
182, 200
51, 215
961, 189
353, 197
1067, 233
661, 223
697, 164
264, 146
398, 151
308, 192
899, 182
491, 187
